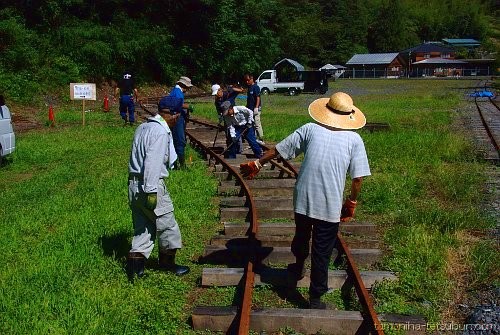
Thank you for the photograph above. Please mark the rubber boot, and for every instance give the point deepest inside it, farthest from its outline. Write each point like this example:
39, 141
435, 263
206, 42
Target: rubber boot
182, 162
135, 265
167, 262
296, 271
316, 303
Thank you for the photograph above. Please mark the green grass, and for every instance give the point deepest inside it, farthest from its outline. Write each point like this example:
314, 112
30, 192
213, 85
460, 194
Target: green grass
67, 230
67, 226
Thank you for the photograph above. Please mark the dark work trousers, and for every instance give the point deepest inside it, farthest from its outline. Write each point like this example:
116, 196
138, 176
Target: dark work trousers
179, 136
324, 236
229, 141
127, 103
249, 135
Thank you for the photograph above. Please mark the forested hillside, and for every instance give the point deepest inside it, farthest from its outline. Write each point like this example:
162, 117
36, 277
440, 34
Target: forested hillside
48, 43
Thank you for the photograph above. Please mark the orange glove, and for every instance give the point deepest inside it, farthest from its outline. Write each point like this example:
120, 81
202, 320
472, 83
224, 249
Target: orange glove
250, 169
347, 210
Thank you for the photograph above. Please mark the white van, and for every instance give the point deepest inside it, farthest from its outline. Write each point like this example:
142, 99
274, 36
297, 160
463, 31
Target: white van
7, 137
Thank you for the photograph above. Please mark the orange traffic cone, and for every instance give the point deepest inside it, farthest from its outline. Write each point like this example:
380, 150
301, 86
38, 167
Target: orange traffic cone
106, 104
52, 118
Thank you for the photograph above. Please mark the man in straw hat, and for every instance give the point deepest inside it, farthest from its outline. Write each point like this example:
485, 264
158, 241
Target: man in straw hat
152, 208
178, 131
331, 151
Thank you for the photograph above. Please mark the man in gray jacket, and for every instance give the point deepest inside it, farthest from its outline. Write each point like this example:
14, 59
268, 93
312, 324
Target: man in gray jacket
150, 202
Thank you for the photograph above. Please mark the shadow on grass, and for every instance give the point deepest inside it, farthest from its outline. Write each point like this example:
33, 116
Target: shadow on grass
6, 160
116, 246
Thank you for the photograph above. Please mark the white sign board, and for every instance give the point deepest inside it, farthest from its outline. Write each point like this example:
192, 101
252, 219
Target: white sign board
82, 91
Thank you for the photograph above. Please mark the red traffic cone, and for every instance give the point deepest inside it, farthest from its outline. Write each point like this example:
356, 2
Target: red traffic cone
106, 104
52, 118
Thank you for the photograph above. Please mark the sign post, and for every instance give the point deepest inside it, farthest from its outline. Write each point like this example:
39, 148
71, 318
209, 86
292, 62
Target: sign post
82, 91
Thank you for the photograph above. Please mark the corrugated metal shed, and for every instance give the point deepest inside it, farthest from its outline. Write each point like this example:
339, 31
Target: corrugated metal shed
437, 60
294, 63
332, 67
366, 59
464, 42
427, 48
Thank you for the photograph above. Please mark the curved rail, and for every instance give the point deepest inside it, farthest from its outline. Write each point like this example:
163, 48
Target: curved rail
249, 276
353, 273
371, 319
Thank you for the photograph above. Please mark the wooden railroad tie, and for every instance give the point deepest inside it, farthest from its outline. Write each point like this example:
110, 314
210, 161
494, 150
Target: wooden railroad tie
252, 257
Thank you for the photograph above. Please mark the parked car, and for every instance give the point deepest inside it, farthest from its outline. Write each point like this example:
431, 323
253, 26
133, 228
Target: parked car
294, 83
7, 137
314, 81
268, 83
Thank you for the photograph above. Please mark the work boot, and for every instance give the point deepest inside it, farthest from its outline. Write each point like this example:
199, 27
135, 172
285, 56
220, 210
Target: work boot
135, 265
296, 271
316, 303
166, 261
180, 163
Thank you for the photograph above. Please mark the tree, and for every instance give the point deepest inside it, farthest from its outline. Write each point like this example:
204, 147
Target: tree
392, 29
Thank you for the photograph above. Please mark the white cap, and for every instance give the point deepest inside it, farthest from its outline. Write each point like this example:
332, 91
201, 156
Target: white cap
215, 88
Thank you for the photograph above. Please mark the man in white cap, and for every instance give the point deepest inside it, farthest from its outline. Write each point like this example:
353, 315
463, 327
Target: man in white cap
152, 208
222, 96
331, 151
178, 131
127, 91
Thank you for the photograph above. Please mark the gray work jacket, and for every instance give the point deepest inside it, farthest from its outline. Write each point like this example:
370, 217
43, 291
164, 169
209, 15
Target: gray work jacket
149, 156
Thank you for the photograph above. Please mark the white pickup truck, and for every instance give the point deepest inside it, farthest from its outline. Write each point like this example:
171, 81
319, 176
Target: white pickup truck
268, 83
306, 81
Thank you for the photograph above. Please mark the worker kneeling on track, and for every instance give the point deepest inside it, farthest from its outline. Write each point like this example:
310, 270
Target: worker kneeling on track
331, 151
150, 202
240, 123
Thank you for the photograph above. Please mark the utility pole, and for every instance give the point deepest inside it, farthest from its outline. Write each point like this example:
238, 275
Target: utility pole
409, 63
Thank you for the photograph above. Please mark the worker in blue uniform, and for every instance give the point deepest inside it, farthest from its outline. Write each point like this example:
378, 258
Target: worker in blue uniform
127, 91
178, 131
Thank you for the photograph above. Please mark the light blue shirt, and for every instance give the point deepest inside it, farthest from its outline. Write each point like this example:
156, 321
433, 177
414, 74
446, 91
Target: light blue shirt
328, 156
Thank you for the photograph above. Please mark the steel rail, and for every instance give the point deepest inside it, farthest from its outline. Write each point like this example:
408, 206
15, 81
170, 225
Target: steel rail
353, 273
494, 103
486, 126
243, 317
245, 309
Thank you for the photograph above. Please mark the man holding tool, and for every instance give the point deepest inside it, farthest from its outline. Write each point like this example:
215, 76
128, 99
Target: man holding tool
220, 96
151, 205
239, 122
331, 151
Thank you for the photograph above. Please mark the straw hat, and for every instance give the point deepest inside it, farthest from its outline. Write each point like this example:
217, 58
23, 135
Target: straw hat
185, 81
338, 111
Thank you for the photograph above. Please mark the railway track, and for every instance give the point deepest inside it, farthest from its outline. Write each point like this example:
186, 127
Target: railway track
255, 248
486, 124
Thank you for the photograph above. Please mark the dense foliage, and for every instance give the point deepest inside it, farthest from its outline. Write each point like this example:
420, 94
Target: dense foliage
48, 43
